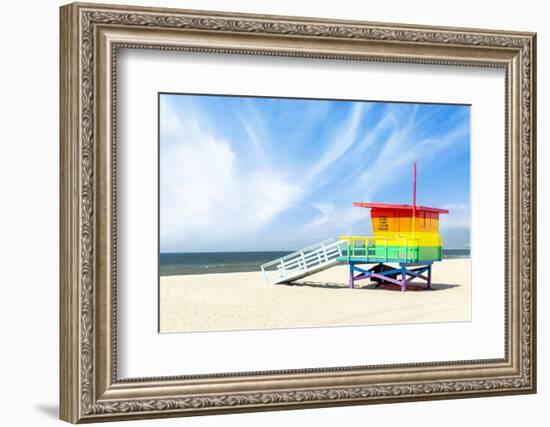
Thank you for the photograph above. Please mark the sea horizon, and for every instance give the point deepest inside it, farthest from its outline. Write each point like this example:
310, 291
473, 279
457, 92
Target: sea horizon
182, 263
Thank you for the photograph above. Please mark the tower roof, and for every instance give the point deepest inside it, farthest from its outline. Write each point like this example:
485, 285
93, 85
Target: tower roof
395, 206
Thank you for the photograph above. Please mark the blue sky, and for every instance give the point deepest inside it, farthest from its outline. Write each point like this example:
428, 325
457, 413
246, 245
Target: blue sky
247, 174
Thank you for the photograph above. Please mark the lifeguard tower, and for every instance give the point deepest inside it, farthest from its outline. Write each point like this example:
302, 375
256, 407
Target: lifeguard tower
406, 235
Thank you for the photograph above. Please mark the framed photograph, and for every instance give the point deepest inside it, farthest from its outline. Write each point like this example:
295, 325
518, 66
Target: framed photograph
266, 212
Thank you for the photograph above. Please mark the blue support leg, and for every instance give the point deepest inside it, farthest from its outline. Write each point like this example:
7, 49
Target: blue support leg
403, 278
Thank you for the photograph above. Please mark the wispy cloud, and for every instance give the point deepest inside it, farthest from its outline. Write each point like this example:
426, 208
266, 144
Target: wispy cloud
325, 211
459, 216
332, 221
341, 140
400, 149
255, 129
237, 174
207, 200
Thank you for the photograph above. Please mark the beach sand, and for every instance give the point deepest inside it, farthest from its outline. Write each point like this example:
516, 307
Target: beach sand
237, 301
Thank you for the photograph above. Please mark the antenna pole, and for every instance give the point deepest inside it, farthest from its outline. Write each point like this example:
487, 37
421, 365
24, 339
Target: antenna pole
414, 205
414, 186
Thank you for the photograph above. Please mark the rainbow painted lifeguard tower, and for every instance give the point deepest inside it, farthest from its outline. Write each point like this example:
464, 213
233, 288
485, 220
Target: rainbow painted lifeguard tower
406, 236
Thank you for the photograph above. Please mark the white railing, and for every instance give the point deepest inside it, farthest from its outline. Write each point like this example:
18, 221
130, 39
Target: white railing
303, 262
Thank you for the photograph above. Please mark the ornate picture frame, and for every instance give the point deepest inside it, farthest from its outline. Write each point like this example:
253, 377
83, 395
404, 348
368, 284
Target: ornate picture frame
90, 37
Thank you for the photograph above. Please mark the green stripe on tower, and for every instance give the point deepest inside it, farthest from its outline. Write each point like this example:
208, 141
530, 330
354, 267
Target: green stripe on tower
397, 253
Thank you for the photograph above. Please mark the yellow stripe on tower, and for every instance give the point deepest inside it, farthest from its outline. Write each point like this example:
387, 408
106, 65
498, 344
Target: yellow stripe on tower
421, 238
383, 224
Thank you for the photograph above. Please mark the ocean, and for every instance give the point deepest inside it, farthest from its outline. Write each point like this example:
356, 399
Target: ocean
172, 264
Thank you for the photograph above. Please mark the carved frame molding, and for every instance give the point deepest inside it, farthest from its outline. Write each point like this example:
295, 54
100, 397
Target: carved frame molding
90, 37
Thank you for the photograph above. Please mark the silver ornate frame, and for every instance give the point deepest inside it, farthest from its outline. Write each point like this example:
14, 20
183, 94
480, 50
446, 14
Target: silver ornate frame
90, 36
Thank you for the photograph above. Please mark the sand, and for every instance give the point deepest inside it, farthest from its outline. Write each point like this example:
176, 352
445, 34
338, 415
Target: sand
238, 301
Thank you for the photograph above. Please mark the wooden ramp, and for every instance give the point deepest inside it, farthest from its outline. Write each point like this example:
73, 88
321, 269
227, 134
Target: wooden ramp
304, 262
